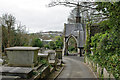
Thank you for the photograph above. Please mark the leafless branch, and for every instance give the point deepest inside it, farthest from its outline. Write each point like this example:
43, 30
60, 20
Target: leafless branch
70, 4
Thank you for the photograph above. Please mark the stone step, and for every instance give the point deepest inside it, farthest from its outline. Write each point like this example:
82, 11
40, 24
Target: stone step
22, 72
10, 77
52, 69
38, 67
42, 72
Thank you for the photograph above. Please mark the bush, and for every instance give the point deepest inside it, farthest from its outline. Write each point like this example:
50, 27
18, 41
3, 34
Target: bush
106, 52
46, 46
37, 43
72, 49
52, 45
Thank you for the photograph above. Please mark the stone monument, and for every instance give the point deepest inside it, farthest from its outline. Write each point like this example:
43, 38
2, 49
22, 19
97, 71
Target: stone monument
22, 56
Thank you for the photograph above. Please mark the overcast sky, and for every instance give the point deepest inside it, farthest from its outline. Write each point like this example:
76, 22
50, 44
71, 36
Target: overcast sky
35, 15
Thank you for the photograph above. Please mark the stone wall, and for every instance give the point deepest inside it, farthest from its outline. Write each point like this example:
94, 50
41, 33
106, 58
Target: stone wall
100, 72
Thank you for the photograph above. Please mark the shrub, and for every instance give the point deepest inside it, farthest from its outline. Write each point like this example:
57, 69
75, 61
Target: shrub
37, 43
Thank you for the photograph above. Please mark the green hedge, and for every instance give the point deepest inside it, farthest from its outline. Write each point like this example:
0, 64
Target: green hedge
106, 52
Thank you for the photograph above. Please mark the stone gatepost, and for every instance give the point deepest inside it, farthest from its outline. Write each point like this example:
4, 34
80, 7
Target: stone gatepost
65, 49
52, 59
59, 56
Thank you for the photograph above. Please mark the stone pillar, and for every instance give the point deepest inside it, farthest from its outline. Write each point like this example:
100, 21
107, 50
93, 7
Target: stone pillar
80, 51
76, 45
65, 49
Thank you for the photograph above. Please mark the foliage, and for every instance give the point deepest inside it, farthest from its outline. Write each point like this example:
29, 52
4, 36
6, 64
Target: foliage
11, 36
59, 42
46, 46
72, 45
106, 53
106, 45
72, 49
112, 11
45, 62
104, 26
37, 43
8, 20
52, 45
87, 45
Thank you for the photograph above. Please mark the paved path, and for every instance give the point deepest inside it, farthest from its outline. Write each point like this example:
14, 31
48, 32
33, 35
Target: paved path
75, 68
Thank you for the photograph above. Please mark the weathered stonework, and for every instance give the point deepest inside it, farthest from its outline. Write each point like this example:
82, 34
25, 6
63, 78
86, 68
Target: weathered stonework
59, 54
78, 32
42, 57
22, 56
105, 73
101, 72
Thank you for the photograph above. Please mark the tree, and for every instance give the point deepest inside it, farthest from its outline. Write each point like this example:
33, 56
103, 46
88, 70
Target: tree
59, 42
37, 43
87, 10
11, 36
112, 11
106, 44
8, 20
4, 37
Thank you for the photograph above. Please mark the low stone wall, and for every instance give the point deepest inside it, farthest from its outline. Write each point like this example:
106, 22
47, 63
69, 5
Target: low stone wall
101, 72
45, 72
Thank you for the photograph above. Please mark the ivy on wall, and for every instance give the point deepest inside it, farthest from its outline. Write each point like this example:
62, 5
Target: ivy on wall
106, 43
105, 53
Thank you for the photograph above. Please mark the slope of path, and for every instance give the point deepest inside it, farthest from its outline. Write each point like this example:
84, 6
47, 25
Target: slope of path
75, 68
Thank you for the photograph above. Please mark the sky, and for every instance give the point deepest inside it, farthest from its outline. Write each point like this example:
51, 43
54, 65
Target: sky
35, 14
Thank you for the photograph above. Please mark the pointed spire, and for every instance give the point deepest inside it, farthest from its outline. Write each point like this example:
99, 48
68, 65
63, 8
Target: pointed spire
78, 17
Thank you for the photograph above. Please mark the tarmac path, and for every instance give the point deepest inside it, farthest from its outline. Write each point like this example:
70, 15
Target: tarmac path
75, 68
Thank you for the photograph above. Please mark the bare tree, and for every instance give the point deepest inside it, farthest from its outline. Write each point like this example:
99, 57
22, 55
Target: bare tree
8, 21
87, 10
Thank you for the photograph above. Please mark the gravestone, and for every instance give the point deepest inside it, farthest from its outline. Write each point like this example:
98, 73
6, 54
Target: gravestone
52, 58
59, 54
52, 55
42, 57
22, 56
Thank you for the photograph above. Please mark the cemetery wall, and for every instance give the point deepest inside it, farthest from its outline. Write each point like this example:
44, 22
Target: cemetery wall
98, 70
